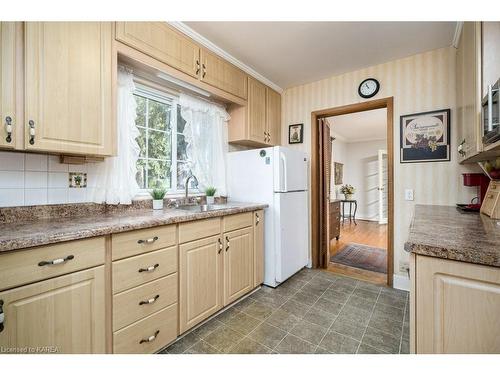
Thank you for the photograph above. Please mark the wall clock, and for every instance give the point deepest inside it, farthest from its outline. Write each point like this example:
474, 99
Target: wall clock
368, 88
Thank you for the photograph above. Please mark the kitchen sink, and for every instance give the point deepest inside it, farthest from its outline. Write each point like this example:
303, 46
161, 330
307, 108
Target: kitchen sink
202, 207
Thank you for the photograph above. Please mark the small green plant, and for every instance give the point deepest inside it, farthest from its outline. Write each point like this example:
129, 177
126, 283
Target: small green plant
210, 191
347, 189
158, 192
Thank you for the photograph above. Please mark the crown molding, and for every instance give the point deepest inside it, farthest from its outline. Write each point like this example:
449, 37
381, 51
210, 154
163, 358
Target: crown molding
219, 51
458, 33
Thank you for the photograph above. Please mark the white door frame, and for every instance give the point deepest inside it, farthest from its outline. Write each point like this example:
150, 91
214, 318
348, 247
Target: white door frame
381, 188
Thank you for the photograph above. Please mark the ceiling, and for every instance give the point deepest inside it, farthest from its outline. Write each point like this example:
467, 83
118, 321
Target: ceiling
293, 53
360, 126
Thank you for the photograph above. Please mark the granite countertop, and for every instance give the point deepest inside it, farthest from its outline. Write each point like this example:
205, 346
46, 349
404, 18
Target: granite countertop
445, 232
25, 234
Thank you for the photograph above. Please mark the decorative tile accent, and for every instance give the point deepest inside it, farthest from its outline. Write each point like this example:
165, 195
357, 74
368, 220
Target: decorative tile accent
77, 180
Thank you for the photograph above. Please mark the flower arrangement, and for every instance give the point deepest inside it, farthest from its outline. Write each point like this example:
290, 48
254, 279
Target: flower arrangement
348, 191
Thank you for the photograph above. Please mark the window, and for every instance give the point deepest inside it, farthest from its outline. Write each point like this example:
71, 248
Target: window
163, 158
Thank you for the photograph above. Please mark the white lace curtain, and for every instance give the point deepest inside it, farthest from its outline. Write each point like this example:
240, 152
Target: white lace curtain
115, 180
206, 137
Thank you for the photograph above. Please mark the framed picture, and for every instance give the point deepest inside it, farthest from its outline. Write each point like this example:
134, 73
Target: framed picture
296, 133
338, 173
425, 137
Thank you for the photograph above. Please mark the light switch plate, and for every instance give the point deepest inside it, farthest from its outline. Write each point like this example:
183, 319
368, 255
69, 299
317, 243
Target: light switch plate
408, 194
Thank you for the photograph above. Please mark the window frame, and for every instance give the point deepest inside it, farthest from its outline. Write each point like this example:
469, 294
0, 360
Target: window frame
168, 98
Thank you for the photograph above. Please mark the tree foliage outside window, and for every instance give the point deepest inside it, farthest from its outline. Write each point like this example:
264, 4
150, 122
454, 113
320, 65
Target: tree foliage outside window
163, 158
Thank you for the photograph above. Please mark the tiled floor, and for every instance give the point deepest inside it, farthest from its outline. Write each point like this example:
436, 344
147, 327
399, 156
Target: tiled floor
313, 312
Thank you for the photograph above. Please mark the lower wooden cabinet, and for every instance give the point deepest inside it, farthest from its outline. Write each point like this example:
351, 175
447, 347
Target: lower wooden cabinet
201, 277
61, 315
238, 264
258, 245
455, 307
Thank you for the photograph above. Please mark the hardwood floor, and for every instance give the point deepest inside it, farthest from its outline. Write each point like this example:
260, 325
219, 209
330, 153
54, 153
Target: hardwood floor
366, 232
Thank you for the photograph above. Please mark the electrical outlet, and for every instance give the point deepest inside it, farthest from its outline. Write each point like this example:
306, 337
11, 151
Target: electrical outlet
404, 266
409, 194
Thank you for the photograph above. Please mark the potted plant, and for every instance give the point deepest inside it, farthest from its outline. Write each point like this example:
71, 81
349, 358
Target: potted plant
158, 193
210, 192
348, 191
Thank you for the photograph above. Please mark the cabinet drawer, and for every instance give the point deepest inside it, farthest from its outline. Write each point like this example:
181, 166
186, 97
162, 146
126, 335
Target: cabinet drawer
238, 221
141, 241
139, 302
195, 230
131, 272
490, 200
23, 267
160, 328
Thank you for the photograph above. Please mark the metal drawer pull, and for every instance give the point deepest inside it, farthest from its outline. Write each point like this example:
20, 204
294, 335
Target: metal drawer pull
149, 301
150, 338
148, 241
227, 241
150, 268
31, 124
55, 261
258, 219
197, 67
2, 316
220, 245
204, 70
8, 129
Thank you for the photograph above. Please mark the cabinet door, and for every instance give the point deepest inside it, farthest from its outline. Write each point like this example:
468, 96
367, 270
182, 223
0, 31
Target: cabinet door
64, 314
68, 98
162, 42
258, 241
7, 84
256, 111
223, 75
273, 117
200, 271
457, 307
491, 54
238, 264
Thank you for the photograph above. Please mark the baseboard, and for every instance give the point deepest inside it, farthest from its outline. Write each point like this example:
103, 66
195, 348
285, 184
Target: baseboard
401, 282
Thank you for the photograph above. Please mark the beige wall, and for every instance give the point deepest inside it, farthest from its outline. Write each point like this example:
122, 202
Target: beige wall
419, 83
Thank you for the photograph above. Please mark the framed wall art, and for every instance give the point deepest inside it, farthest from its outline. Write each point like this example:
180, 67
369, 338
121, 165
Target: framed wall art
338, 173
425, 137
296, 133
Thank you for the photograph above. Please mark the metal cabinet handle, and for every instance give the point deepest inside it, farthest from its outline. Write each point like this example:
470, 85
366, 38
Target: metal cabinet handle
149, 301
55, 261
31, 124
257, 219
197, 67
220, 245
2, 316
227, 243
150, 268
150, 338
8, 129
148, 240
204, 71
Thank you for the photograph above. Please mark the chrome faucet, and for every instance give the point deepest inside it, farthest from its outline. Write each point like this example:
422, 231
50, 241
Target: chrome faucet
187, 183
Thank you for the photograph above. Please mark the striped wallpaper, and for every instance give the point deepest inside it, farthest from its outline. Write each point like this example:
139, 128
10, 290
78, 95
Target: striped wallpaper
418, 83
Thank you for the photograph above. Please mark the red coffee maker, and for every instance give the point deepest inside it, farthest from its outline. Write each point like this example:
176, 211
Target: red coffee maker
481, 182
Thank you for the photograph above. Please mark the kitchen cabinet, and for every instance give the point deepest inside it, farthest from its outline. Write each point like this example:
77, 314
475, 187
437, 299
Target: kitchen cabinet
163, 43
221, 74
257, 129
68, 88
258, 242
468, 89
454, 306
201, 280
490, 54
63, 315
238, 264
273, 116
9, 120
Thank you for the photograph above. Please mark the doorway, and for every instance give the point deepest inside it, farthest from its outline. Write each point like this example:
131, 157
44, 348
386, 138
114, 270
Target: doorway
358, 155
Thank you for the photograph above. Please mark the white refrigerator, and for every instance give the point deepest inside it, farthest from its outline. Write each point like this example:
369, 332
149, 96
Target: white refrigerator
276, 176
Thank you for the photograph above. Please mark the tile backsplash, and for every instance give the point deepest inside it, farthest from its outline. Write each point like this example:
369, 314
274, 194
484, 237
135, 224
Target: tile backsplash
31, 179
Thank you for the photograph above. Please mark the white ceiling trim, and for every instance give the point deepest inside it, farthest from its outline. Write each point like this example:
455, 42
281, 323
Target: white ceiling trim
219, 51
458, 33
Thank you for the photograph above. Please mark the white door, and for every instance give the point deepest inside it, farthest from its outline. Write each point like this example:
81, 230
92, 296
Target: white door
382, 186
292, 233
290, 170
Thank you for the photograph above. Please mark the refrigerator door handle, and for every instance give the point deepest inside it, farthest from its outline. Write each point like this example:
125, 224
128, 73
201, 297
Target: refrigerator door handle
283, 173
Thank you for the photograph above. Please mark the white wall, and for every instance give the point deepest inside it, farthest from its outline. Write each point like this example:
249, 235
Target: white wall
419, 83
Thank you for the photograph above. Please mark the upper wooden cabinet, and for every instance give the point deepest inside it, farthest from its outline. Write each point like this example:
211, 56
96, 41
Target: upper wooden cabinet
68, 87
491, 54
223, 75
273, 116
162, 42
8, 119
256, 111
468, 87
